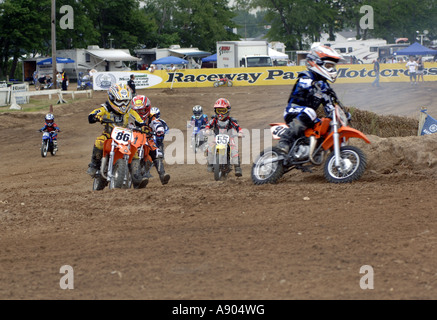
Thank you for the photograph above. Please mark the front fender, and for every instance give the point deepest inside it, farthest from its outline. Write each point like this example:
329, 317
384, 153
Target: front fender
344, 132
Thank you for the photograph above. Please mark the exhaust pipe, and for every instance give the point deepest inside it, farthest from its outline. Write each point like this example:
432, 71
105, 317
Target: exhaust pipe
103, 166
312, 148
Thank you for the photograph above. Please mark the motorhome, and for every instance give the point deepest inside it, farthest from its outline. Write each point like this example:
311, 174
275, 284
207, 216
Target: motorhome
93, 57
364, 51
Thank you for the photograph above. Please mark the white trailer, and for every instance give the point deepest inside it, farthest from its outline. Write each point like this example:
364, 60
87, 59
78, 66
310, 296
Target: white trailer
96, 58
235, 54
365, 51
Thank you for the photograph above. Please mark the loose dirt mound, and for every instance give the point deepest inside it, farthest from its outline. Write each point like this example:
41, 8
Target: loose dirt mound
199, 239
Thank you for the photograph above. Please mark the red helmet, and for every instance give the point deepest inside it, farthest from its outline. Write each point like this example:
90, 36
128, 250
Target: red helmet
141, 104
222, 107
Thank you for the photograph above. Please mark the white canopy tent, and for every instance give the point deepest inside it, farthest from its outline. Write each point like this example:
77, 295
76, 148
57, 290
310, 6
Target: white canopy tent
276, 55
112, 55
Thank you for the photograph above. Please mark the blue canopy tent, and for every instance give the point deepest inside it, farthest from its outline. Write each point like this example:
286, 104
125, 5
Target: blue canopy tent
48, 61
211, 58
170, 60
416, 49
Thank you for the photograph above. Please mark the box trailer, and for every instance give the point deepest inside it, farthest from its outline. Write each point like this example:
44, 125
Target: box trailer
235, 54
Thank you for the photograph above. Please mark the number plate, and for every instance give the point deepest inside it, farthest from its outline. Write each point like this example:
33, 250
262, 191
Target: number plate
222, 139
278, 130
121, 135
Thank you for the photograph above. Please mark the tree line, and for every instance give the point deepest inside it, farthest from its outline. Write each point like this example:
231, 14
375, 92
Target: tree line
25, 27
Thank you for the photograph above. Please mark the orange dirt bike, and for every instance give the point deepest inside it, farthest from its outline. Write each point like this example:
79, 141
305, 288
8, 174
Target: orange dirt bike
141, 166
118, 154
326, 143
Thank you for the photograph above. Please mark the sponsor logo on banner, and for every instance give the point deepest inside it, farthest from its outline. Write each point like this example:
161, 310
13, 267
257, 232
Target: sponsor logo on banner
105, 80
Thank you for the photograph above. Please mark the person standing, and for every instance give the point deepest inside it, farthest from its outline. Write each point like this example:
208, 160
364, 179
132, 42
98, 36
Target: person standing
376, 68
131, 84
420, 69
412, 69
64, 81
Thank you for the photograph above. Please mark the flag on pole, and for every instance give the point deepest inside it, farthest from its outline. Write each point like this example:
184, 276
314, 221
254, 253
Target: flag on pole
430, 124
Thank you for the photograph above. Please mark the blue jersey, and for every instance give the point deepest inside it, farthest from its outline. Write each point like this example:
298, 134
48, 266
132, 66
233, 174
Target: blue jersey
201, 122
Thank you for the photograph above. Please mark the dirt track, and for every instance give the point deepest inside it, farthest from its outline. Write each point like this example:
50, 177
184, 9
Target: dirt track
200, 239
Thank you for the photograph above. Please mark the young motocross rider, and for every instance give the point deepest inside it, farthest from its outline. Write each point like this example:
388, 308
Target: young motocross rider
51, 127
222, 121
118, 109
310, 90
141, 104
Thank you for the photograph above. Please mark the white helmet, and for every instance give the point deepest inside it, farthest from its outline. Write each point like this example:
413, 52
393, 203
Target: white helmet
322, 61
197, 111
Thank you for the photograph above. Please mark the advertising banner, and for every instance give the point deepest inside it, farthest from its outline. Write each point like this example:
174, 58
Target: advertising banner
261, 76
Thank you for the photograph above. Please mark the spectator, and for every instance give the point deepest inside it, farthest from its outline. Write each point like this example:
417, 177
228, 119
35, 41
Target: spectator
131, 84
152, 68
58, 80
412, 69
420, 69
64, 82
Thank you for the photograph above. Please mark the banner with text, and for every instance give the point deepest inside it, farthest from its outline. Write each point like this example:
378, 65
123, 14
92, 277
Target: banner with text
183, 78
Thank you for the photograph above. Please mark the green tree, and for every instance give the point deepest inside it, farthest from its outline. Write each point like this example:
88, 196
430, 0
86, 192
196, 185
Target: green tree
21, 32
197, 23
299, 22
250, 25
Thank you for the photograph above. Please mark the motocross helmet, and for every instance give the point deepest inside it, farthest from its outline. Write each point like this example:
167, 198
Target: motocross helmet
222, 108
119, 98
50, 119
322, 61
155, 112
141, 104
197, 111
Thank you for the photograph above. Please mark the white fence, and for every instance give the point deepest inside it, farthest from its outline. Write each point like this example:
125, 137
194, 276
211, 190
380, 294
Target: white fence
12, 97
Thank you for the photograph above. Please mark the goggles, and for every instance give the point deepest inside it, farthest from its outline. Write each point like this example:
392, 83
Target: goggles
221, 110
121, 102
329, 65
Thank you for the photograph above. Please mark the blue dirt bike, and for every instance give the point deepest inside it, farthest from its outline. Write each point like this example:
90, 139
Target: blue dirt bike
84, 82
47, 144
198, 139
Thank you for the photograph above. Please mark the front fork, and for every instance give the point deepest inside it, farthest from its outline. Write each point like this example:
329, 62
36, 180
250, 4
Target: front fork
337, 145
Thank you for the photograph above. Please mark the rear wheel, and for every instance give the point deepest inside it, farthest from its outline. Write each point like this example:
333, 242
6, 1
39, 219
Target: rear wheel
230, 83
352, 165
216, 84
265, 169
44, 148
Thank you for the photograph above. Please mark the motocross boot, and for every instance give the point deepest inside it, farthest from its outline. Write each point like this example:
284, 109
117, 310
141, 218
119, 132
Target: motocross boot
140, 181
290, 135
55, 145
164, 177
96, 159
